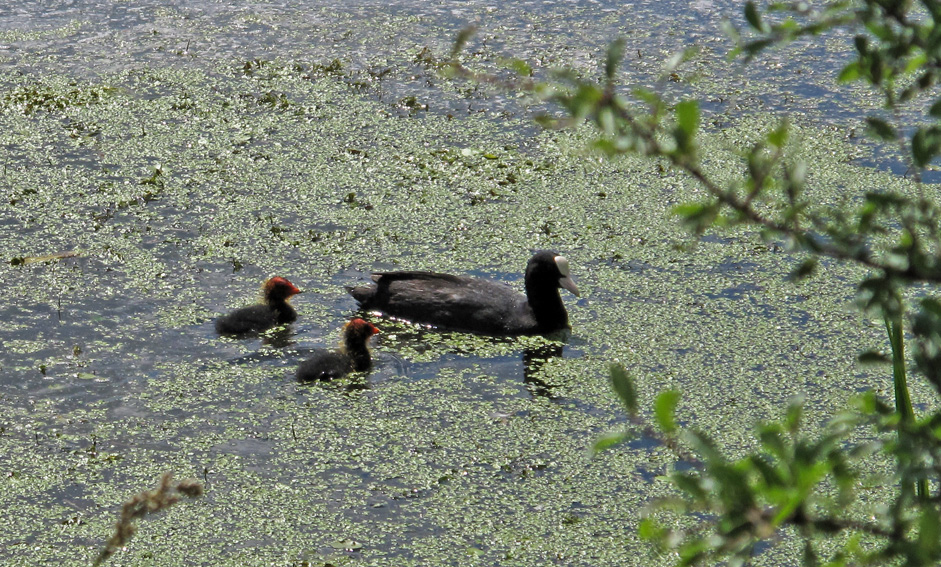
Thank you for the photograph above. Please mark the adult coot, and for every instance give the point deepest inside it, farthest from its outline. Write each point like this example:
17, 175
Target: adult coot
352, 356
274, 310
471, 304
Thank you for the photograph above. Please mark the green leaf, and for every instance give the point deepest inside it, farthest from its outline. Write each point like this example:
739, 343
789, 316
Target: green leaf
754, 18
693, 551
546, 121
772, 440
768, 473
614, 56
753, 47
926, 329
665, 409
545, 91
672, 63
735, 490
702, 444
879, 295
876, 68
608, 440
647, 96
687, 116
929, 532
925, 145
916, 62
689, 209
730, 31
462, 38
679, 58
862, 44
849, 73
880, 129
778, 136
792, 418
650, 530
606, 120
608, 147
806, 269
692, 485
583, 103
796, 174
697, 216
624, 387
935, 109
521, 68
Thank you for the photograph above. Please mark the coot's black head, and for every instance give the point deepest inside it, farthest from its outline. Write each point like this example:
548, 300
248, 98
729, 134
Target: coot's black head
356, 334
549, 270
279, 289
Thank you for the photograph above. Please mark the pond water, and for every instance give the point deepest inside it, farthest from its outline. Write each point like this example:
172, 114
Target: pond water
174, 155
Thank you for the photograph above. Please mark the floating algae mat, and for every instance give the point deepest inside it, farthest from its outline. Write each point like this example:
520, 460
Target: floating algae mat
159, 163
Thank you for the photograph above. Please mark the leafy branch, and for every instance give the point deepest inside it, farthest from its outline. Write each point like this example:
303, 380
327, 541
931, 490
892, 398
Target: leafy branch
897, 52
646, 128
788, 482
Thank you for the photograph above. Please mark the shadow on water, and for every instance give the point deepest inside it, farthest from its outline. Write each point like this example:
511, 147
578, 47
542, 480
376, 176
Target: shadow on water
419, 353
270, 342
533, 361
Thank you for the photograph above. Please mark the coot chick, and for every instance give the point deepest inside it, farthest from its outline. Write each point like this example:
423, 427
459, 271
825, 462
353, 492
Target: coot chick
274, 310
475, 305
352, 356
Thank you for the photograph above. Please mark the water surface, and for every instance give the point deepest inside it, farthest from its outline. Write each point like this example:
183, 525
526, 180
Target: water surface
184, 152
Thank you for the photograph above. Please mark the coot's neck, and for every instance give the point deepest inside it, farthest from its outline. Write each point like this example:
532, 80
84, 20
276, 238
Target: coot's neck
359, 356
286, 313
547, 306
